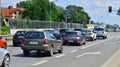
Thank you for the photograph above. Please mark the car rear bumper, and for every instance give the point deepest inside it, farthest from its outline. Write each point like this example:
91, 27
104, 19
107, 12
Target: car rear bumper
42, 48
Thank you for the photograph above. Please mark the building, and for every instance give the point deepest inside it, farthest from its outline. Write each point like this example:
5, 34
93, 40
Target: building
13, 13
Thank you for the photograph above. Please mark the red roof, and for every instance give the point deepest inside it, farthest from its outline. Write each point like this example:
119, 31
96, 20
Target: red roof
7, 11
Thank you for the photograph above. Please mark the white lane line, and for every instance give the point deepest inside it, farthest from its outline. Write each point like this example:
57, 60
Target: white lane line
93, 44
88, 53
73, 51
38, 63
61, 55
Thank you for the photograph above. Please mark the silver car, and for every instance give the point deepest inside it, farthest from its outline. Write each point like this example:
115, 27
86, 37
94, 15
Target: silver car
100, 32
90, 35
4, 58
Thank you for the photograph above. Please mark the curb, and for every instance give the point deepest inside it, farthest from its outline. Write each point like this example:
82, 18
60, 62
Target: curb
114, 61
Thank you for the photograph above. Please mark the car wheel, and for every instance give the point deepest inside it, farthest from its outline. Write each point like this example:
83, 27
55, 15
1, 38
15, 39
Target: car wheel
50, 53
6, 61
26, 52
4, 46
61, 50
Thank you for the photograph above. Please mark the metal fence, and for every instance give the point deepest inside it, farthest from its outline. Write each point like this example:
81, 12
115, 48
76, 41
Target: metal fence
35, 24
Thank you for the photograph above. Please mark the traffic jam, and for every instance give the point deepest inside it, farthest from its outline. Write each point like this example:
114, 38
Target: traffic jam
48, 41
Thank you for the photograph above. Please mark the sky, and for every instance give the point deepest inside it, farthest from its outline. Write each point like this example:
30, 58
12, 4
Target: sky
96, 9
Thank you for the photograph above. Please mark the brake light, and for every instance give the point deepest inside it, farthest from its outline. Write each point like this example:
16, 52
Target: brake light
45, 41
78, 36
90, 33
22, 41
14, 35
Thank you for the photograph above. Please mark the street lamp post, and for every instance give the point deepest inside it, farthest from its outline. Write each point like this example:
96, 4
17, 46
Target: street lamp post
51, 12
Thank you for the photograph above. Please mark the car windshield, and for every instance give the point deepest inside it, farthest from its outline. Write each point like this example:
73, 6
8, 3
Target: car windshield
34, 35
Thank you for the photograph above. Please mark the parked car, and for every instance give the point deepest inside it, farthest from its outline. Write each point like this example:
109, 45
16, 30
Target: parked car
17, 37
100, 32
4, 58
90, 35
40, 41
74, 37
3, 43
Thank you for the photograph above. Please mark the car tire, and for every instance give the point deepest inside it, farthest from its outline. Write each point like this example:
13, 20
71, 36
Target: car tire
61, 50
4, 46
6, 61
26, 52
51, 53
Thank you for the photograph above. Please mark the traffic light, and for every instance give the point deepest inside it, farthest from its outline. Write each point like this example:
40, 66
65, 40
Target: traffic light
68, 18
110, 9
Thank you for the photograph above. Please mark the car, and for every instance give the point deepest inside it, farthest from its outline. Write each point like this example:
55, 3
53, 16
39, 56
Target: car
56, 33
64, 30
3, 43
78, 29
18, 36
74, 37
4, 58
100, 32
90, 35
41, 41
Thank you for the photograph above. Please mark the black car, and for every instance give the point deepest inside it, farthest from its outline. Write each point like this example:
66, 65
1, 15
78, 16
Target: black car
17, 37
56, 33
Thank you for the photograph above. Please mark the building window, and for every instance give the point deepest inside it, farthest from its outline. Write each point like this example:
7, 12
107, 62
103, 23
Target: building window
15, 12
19, 13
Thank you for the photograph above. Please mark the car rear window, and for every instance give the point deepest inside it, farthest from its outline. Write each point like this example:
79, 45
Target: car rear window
71, 33
34, 35
20, 32
99, 29
78, 29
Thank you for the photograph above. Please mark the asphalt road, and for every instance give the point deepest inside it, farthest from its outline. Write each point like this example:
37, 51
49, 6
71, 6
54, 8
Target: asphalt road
93, 54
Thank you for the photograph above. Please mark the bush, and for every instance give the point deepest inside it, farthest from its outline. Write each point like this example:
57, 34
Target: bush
4, 30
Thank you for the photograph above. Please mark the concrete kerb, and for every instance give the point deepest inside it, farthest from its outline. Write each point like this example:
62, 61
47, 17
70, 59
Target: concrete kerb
114, 61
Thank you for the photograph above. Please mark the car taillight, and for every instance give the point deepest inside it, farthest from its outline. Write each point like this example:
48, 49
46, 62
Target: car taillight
14, 35
22, 41
78, 36
90, 33
45, 42
64, 34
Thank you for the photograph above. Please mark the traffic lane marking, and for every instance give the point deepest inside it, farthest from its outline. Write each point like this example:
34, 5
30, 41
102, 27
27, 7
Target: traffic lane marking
41, 62
89, 53
93, 44
73, 51
61, 55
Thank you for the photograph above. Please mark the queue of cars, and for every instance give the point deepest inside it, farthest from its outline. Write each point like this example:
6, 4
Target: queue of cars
48, 41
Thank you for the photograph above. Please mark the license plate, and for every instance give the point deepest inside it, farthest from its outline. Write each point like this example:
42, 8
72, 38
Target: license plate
20, 36
70, 41
33, 42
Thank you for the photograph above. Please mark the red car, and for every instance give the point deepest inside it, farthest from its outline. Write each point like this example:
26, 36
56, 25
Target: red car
3, 43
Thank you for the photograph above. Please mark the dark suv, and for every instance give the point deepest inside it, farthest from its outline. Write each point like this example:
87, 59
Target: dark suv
40, 41
17, 37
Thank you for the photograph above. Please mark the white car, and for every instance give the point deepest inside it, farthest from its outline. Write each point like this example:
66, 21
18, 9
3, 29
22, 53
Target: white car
4, 58
90, 35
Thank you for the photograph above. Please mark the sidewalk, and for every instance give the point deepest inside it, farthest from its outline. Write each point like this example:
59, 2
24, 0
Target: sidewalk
114, 61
